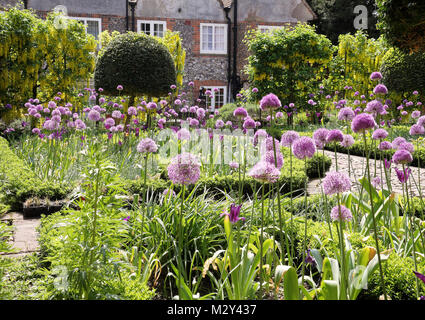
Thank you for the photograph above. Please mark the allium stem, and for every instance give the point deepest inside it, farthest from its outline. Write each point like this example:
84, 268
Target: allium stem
375, 231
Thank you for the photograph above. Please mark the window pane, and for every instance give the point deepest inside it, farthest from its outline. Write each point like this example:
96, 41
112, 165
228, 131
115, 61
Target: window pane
219, 38
146, 28
159, 29
93, 28
207, 38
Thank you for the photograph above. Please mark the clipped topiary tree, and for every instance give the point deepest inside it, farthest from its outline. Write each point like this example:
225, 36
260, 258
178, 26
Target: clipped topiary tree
403, 72
139, 63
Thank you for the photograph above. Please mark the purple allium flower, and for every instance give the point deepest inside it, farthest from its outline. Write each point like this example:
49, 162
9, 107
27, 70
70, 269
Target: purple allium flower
404, 113
234, 213
341, 213
79, 124
270, 101
193, 122
93, 115
336, 182
403, 176
184, 169
320, 136
264, 172
269, 143
304, 147
269, 157
416, 129
406, 146
380, 89
288, 138
219, 124
116, 114
416, 114
120, 87
259, 134
379, 134
385, 145
335, 135
183, 134
234, 165
402, 156
177, 102
279, 114
200, 113
168, 192
421, 121
109, 122
346, 114
398, 141
375, 76
240, 112
132, 111
249, 123
348, 141
35, 131
147, 145
151, 106
375, 107
254, 90
363, 122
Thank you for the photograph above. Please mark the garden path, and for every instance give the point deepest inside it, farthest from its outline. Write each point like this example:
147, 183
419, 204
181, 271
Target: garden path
24, 235
357, 165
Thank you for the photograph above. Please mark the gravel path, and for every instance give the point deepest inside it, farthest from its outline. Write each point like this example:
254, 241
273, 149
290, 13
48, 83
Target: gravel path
358, 164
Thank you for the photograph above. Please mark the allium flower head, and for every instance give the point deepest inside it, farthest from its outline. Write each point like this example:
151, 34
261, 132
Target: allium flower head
264, 172
363, 122
341, 213
234, 165
398, 141
288, 138
260, 134
168, 192
346, 114
380, 89
269, 144
421, 121
416, 129
348, 141
269, 157
335, 135
416, 114
184, 169
385, 145
270, 101
376, 76
219, 124
240, 112
304, 147
379, 134
320, 136
93, 115
336, 182
147, 145
249, 123
109, 122
375, 107
406, 146
402, 156
151, 106
132, 111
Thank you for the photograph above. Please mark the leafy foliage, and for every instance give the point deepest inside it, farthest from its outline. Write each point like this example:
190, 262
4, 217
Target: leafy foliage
402, 23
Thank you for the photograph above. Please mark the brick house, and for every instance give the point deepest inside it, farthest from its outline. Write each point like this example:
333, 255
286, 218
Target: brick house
206, 26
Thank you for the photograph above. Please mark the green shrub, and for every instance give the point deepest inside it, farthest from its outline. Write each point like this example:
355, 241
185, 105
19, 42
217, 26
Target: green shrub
139, 63
20, 182
403, 72
400, 281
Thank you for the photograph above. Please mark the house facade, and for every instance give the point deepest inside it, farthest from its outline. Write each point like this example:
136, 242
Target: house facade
214, 57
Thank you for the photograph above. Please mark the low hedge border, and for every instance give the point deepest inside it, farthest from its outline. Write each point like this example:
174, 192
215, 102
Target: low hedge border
230, 183
19, 182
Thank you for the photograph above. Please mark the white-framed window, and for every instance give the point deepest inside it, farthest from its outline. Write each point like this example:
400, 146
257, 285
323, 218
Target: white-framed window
213, 38
93, 25
265, 29
219, 96
153, 28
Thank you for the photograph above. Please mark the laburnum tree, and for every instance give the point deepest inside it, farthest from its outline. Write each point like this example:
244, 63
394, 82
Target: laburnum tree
39, 57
